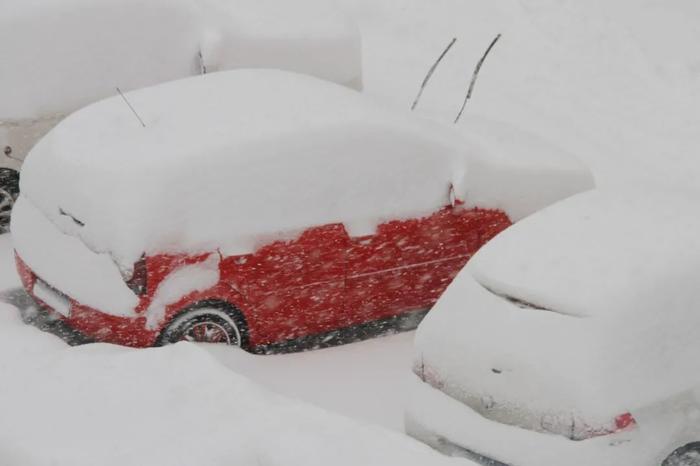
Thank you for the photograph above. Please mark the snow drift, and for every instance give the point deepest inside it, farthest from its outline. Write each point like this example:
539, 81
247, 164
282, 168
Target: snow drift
107, 405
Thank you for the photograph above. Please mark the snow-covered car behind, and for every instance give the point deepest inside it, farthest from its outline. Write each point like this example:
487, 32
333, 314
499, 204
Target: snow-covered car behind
570, 339
59, 56
301, 210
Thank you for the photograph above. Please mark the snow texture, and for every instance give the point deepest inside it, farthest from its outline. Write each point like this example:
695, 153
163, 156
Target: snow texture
108, 405
82, 46
207, 171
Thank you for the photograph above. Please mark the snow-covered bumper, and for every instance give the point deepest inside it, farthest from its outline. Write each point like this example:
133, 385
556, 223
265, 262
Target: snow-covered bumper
89, 322
453, 428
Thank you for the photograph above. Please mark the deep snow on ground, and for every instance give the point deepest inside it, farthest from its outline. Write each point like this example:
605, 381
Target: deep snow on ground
617, 83
365, 380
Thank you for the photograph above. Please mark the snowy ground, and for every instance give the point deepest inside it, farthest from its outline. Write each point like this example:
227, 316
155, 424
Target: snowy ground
617, 83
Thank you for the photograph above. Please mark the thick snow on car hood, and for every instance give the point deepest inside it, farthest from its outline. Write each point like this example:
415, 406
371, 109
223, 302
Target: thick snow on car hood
61, 55
589, 305
247, 151
65, 263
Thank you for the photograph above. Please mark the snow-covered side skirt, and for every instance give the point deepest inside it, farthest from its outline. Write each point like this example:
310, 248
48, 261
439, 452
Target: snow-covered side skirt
399, 323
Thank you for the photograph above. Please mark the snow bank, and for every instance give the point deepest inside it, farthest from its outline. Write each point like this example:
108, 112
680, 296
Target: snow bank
101, 404
615, 277
61, 55
222, 158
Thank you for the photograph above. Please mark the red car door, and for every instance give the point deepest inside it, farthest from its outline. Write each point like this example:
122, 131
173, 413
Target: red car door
408, 264
295, 288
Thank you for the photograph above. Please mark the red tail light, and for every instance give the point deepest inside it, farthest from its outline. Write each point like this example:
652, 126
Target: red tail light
624, 422
578, 429
621, 423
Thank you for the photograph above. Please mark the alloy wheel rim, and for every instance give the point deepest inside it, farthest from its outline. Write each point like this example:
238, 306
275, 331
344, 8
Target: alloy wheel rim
206, 332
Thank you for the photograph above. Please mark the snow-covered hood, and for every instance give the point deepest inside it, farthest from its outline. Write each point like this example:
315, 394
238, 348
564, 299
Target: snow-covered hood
66, 264
522, 172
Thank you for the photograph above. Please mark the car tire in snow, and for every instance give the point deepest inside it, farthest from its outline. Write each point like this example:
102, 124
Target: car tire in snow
206, 322
9, 190
688, 455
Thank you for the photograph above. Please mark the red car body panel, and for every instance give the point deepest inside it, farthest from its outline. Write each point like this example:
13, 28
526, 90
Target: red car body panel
322, 281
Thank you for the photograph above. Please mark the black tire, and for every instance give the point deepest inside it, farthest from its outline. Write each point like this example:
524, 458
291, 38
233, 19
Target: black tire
206, 322
9, 190
688, 455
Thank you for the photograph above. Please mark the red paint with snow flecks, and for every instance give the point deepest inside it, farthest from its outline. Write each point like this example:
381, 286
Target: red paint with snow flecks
319, 282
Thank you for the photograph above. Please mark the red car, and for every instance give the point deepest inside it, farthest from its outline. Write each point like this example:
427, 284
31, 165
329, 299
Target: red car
262, 209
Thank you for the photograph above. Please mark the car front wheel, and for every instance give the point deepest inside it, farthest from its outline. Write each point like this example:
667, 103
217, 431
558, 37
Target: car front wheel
203, 325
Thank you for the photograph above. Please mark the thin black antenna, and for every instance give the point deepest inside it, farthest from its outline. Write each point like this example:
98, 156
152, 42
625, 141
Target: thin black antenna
132, 108
202, 65
431, 71
475, 75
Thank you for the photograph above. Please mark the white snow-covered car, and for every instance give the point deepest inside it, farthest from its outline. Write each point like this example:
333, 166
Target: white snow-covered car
571, 339
303, 211
59, 56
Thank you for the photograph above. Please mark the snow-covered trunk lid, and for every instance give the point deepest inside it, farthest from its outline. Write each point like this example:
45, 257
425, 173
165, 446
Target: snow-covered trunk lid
65, 263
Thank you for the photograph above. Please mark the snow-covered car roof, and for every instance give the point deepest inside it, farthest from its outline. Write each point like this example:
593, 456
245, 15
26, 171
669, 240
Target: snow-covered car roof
231, 159
61, 55
589, 305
